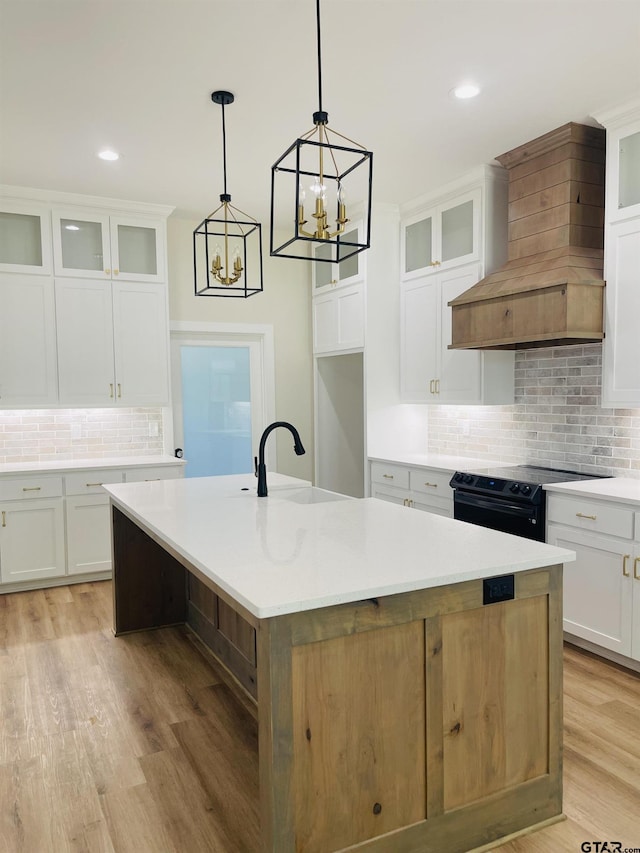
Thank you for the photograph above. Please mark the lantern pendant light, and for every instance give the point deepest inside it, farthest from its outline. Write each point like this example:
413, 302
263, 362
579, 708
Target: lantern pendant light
227, 245
315, 185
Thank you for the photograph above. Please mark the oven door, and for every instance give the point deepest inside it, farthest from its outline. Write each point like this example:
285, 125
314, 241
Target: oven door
519, 519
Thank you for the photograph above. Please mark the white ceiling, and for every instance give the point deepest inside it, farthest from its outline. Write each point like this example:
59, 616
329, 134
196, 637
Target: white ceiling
136, 75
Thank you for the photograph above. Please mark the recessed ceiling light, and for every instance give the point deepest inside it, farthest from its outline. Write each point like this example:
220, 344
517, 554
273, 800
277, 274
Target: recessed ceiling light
466, 90
107, 154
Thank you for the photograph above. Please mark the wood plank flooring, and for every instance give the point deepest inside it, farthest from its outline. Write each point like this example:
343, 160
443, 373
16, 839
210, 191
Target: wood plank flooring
140, 745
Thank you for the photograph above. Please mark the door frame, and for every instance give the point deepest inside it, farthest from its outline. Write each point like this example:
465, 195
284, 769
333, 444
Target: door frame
193, 332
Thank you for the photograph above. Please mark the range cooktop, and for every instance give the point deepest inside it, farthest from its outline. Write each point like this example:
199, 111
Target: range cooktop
535, 474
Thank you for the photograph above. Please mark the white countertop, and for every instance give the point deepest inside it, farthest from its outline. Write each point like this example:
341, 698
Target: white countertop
442, 462
85, 464
302, 548
622, 489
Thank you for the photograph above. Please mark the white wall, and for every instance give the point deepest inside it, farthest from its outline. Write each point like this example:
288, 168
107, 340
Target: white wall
285, 304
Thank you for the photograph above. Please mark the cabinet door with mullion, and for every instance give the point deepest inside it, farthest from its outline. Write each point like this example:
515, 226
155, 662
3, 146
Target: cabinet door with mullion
85, 342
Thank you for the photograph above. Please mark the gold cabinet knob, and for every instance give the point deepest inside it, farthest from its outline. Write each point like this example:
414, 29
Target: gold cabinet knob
107, 272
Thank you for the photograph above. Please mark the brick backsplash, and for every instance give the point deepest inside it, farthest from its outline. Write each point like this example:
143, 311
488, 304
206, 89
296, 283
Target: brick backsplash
48, 435
557, 419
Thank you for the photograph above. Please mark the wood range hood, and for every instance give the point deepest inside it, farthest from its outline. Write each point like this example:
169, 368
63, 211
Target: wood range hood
551, 290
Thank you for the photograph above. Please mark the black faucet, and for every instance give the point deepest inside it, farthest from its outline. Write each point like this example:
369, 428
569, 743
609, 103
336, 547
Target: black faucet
261, 468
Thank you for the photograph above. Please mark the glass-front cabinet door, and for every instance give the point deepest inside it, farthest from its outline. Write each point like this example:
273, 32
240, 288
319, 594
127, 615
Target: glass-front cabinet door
326, 275
25, 237
116, 247
629, 171
137, 249
81, 245
441, 237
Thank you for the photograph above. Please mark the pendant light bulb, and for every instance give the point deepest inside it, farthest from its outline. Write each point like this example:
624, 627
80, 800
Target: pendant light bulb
319, 190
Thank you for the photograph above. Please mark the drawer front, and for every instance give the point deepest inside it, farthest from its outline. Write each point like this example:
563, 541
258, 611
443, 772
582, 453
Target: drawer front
608, 518
90, 482
159, 472
431, 482
389, 474
30, 488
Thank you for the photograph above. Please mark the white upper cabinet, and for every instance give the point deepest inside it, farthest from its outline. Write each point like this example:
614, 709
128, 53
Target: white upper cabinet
448, 242
327, 275
440, 237
112, 343
27, 341
96, 245
621, 345
25, 237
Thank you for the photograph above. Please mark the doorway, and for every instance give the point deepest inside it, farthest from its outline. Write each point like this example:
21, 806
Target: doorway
223, 397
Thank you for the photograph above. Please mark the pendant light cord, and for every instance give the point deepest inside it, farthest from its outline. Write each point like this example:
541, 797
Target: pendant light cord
224, 150
319, 57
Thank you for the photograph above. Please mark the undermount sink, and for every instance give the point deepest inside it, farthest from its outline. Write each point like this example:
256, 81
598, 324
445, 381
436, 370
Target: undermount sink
311, 495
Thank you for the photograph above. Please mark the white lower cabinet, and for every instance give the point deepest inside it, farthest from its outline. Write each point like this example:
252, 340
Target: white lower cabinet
32, 536
426, 489
602, 586
51, 530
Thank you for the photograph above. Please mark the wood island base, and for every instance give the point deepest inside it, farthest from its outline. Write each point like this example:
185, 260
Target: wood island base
420, 722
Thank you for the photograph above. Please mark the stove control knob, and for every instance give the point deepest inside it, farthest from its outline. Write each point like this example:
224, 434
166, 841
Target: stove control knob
526, 490
458, 477
468, 478
515, 488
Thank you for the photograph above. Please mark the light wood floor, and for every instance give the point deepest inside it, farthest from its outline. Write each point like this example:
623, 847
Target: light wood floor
138, 744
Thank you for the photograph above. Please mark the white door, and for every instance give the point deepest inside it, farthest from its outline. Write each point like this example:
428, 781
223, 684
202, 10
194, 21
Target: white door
223, 399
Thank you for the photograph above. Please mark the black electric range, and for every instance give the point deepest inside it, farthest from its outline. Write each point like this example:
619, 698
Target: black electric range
511, 499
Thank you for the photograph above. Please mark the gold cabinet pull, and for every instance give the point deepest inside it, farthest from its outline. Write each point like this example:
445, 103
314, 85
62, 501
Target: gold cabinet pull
31, 488
4, 518
111, 390
433, 485
624, 565
582, 515
388, 476
437, 386
405, 502
116, 272
107, 272
635, 568
89, 485
119, 390
431, 384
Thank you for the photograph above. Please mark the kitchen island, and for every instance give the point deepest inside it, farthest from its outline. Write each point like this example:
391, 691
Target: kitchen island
407, 667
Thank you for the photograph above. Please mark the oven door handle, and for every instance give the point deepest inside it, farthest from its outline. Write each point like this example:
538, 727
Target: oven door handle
466, 499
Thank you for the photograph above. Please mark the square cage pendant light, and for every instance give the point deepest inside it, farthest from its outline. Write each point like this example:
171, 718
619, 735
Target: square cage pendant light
318, 181
227, 245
